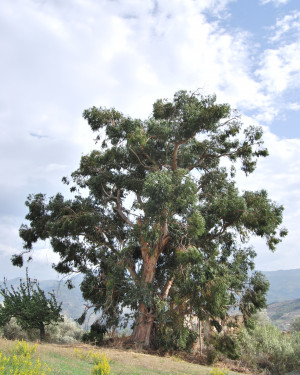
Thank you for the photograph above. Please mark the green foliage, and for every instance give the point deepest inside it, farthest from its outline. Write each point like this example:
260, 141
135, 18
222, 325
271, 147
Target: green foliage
265, 347
163, 220
101, 361
20, 362
212, 355
30, 307
12, 331
101, 367
228, 345
23, 348
64, 332
95, 334
172, 337
296, 324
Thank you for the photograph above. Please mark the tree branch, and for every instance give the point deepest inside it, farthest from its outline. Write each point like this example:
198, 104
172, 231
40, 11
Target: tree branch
167, 288
145, 166
174, 165
119, 209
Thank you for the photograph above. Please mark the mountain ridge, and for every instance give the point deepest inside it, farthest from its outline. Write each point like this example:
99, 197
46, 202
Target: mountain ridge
283, 298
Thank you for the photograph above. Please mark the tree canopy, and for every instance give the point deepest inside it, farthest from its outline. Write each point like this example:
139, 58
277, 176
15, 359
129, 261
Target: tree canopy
164, 229
30, 306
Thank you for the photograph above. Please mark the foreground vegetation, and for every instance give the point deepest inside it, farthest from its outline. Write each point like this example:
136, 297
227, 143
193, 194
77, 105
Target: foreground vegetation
65, 360
261, 348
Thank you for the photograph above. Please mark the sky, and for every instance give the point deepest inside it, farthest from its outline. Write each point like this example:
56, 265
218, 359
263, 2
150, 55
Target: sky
59, 58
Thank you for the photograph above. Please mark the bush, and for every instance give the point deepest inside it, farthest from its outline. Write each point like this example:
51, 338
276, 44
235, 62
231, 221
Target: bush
96, 334
65, 332
265, 347
102, 366
100, 360
211, 355
228, 345
172, 337
20, 361
12, 331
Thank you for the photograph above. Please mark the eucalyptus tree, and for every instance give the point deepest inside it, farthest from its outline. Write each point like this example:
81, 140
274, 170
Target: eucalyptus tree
163, 229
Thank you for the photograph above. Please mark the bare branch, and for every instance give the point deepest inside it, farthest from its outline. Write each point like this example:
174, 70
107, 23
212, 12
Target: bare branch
131, 270
145, 166
174, 166
167, 288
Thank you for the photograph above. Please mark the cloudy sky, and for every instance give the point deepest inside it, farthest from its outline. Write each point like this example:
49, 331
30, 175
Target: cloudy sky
61, 57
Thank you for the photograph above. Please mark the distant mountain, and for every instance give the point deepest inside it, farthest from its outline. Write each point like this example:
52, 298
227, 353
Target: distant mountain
282, 314
284, 285
283, 297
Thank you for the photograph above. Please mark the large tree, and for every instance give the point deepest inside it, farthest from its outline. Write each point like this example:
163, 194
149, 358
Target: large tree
163, 229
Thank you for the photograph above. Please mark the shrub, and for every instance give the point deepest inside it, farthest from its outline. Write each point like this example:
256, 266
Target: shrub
65, 332
100, 360
102, 366
96, 334
211, 355
12, 331
21, 363
265, 347
229, 345
170, 337
22, 348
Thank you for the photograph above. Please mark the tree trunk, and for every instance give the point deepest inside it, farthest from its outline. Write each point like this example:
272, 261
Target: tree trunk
42, 332
144, 321
142, 327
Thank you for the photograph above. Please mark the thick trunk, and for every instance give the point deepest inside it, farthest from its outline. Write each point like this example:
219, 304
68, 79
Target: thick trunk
143, 327
42, 332
144, 321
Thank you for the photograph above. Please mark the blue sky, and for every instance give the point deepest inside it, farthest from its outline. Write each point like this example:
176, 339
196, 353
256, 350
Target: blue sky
59, 58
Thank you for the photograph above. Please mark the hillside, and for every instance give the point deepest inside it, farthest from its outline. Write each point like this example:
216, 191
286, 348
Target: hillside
284, 285
282, 314
283, 297
72, 301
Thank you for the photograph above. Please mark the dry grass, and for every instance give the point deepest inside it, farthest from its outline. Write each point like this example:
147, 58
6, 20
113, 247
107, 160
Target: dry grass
62, 359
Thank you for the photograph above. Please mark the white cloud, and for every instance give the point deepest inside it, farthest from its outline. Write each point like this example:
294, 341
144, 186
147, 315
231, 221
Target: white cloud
294, 106
289, 24
276, 2
278, 69
59, 58
45, 256
279, 174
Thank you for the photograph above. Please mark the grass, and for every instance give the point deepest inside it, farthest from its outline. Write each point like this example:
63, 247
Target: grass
63, 361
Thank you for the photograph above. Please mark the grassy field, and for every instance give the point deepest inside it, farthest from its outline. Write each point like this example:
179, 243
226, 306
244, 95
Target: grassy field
63, 360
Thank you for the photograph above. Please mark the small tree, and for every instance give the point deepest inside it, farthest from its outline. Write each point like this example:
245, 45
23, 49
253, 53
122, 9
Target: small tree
30, 306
